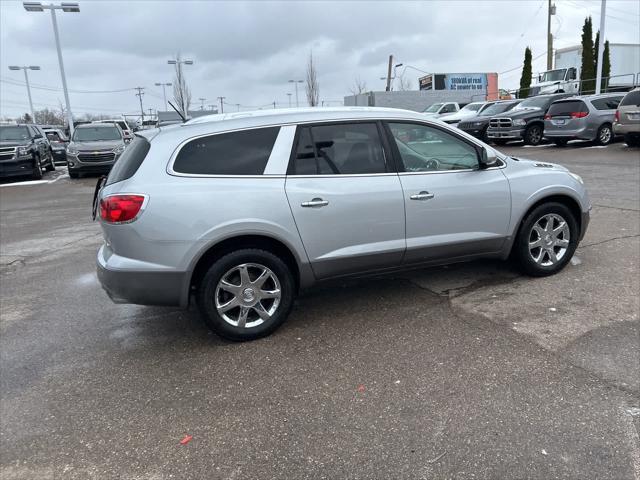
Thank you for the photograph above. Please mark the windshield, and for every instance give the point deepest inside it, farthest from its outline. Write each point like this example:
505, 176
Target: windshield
8, 134
434, 108
123, 125
473, 107
92, 134
498, 108
553, 75
54, 136
534, 102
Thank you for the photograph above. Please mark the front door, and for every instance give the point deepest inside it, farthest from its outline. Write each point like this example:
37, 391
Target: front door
454, 209
346, 201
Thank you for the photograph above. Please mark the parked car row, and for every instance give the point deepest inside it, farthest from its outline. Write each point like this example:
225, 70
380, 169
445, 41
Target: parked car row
24, 150
558, 118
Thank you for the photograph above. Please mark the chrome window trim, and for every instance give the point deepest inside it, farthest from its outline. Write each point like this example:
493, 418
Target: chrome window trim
427, 122
342, 175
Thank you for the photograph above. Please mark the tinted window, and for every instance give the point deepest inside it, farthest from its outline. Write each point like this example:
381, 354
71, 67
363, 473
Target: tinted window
129, 161
631, 98
499, 108
448, 109
609, 103
424, 149
565, 109
339, 149
236, 153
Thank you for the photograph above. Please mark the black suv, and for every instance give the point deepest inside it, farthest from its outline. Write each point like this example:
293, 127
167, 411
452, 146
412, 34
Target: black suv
523, 122
23, 151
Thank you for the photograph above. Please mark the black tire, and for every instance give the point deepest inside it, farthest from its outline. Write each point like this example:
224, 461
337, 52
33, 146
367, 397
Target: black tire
605, 134
632, 140
37, 168
73, 174
521, 251
51, 167
560, 143
483, 135
499, 142
533, 134
207, 293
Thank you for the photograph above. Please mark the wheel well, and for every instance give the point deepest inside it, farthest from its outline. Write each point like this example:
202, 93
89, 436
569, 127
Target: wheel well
246, 241
566, 200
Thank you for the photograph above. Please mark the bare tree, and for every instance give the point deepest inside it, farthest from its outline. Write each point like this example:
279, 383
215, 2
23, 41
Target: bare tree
405, 83
313, 89
359, 86
181, 91
48, 117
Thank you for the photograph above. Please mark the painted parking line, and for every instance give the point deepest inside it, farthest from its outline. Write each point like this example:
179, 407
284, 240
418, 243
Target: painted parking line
62, 174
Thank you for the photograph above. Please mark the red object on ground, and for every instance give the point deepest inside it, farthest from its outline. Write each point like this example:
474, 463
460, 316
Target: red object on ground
361, 388
186, 439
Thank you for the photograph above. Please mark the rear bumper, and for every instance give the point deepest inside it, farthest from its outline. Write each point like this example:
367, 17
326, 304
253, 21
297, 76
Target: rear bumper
625, 128
131, 281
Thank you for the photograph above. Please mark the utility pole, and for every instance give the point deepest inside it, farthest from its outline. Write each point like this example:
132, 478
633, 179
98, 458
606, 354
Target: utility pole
238, 106
388, 89
139, 95
551, 10
603, 7
274, 105
150, 112
289, 95
221, 104
201, 102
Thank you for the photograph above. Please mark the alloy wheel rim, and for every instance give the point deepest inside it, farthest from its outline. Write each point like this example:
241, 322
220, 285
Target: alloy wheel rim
549, 240
248, 295
605, 135
535, 135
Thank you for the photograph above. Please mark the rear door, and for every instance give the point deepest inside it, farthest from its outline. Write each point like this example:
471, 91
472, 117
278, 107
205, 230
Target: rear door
346, 198
453, 208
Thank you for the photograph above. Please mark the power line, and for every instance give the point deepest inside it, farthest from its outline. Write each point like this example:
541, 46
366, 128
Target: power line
12, 81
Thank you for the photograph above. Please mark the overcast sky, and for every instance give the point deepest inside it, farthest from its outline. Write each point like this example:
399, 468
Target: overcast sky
246, 51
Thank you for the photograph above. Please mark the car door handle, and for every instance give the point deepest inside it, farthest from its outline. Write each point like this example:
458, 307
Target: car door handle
422, 196
316, 202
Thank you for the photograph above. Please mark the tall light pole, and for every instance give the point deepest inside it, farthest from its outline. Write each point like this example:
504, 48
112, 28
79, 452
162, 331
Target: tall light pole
202, 100
603, 8
296, 82
26, 79
68, 8
221, 103
551, 10
164, 92
289, 95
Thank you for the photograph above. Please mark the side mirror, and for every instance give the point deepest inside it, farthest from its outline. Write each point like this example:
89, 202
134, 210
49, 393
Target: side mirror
488, 158
539, 78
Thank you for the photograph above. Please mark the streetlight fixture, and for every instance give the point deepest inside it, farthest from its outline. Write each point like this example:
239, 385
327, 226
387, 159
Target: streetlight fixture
67, 7
296, 82
26, 79
164, 93
186, 62
289, 95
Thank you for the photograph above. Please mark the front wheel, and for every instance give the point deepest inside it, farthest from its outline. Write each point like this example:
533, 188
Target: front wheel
246, 294
499, 142
560, 143
605, 135
533, 135
547, 239
51, 167
37, 168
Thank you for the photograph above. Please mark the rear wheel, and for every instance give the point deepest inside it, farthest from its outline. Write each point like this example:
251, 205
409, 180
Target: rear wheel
73, 174
51, 165
605, 134
246, 294
37, 168
547, 240
533, 135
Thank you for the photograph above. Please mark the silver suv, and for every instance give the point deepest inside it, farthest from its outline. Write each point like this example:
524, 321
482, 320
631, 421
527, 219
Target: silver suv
244, 210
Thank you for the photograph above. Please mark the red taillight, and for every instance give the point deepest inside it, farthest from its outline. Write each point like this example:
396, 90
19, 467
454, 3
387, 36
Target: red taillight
120, 208
616, 117
579, 114
547, 117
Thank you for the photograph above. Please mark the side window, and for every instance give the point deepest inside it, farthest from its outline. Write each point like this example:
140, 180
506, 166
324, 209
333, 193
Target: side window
236, 153
448, 108
340, 149
610, 103
425, 149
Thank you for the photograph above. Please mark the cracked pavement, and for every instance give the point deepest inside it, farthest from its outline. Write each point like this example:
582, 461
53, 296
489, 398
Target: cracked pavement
470, 371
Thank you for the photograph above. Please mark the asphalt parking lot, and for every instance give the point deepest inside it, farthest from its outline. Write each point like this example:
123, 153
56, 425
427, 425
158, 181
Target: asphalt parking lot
466, 372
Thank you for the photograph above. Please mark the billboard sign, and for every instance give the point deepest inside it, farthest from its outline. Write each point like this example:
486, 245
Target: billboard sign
465, 81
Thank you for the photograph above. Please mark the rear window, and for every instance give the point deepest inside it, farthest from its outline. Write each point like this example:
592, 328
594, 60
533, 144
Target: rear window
236, 153
609, 103
566, 108
129, 162
631, 98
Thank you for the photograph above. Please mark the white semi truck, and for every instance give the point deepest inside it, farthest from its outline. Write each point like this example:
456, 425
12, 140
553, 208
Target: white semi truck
625, 70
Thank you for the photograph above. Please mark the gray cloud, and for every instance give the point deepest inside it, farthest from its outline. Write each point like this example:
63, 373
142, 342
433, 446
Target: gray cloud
246, 51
